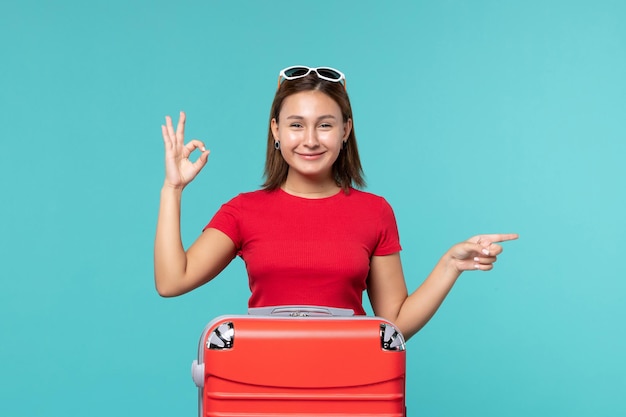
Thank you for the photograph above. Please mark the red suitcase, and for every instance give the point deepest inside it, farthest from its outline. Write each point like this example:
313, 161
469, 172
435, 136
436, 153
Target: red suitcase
300, 361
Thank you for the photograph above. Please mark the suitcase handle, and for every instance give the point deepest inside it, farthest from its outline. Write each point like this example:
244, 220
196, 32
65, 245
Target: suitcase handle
301, 311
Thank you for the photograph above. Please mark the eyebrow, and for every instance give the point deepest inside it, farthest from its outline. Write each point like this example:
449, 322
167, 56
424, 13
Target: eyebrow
325, 116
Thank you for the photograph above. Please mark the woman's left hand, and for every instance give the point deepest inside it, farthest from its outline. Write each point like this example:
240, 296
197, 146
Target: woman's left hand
479, 252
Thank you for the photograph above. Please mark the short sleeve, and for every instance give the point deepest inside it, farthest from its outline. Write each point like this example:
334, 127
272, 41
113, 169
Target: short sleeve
388, 236
227, 220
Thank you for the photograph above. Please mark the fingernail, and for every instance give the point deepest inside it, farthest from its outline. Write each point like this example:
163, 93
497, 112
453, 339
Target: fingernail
476, 259
476, 266
485, 251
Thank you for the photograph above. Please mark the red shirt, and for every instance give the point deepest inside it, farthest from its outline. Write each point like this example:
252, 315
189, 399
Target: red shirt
301, 251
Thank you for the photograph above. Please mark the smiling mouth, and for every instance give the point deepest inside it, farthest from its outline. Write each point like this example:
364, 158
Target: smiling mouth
310, 155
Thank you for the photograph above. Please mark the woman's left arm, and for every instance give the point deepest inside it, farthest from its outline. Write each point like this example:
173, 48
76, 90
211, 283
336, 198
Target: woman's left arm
387, 288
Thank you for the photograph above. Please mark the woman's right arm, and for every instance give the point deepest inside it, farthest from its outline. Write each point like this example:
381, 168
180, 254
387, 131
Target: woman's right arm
177, 271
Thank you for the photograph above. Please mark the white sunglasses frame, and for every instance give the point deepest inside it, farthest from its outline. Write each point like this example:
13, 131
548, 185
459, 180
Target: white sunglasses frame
282, 76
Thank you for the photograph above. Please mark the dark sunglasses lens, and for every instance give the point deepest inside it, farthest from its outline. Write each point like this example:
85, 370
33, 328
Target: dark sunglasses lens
296, 72
328, 73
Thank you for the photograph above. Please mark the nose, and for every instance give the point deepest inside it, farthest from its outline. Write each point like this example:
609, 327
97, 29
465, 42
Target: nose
310, 138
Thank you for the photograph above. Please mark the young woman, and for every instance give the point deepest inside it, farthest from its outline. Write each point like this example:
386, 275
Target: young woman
309, 236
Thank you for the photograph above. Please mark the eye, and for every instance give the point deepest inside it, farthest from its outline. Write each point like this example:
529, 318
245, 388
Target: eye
296, 125
326, 126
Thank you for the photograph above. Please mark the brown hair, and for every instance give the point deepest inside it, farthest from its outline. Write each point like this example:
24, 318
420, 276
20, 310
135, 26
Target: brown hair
347, 169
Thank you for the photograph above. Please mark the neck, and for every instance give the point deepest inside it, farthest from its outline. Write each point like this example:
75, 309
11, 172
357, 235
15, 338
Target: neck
313, 189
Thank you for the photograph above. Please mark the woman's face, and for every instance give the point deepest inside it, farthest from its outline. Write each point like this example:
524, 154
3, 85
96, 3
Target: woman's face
311, 131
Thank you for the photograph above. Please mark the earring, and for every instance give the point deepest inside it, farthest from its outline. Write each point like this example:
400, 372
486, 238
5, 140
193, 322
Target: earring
277, 145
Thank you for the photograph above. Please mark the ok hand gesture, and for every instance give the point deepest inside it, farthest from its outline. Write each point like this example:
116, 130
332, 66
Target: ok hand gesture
179, 170
478, 252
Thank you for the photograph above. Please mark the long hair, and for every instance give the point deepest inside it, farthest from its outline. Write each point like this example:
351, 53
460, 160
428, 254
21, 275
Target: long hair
347, 170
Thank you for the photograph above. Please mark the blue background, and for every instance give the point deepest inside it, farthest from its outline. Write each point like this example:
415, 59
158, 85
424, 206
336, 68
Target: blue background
472, 117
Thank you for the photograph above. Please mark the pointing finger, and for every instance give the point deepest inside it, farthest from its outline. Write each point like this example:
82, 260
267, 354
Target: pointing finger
498, 237
485, 240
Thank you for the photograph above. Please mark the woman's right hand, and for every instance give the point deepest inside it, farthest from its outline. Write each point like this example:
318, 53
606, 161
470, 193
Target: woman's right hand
179, 170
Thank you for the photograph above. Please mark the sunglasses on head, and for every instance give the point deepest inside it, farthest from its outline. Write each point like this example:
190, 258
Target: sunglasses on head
300, 71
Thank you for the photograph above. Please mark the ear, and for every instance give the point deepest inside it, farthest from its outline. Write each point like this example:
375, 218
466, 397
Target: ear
347, 128
274, 126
